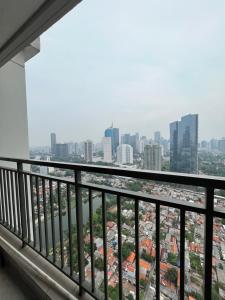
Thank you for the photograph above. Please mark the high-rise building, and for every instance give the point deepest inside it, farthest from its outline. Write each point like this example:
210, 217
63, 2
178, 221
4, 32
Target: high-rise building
107, 149
204, 146
125, 154
165, 147
114, 134
61, 150
153, 157
221, 145
132, 140
125, 139
213, 144
71, 148
157, 137
88, 151
53, 142
142, 143
184, 144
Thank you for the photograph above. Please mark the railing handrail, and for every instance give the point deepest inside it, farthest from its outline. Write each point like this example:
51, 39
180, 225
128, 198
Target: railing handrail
170, 177
17, 201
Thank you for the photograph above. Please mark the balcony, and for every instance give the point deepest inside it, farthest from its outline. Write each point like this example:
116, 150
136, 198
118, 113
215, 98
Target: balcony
54, 217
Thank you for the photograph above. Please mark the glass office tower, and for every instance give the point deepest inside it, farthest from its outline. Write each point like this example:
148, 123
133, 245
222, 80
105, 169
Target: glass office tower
184, 145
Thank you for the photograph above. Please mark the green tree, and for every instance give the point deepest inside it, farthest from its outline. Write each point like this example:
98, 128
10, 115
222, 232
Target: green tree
172, 259
147, 257
143, 283
127, 249
171, 275
114, 292
99, 264
196, 263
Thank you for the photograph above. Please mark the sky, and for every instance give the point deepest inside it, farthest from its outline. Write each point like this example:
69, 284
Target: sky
139, 64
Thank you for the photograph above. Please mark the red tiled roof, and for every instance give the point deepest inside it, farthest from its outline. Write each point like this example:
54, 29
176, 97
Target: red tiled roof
131, 257
144, 264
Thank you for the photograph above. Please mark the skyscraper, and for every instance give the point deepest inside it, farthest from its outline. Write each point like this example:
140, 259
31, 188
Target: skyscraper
61, 150
88, 151
114, 134
124, 154
143, 142
134, 142
153, 157
184, 144
53, 142
157, 137
221, 145
107, 149
125, 139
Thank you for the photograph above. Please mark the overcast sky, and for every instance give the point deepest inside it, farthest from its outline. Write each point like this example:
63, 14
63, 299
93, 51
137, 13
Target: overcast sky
141, 64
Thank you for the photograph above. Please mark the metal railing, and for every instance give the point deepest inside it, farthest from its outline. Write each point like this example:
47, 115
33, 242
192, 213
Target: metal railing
30, 203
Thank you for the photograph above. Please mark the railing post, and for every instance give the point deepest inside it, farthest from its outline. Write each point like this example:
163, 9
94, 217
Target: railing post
22, 201
80, 240
208, 241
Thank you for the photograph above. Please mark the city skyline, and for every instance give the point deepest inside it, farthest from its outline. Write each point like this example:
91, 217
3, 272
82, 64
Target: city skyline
150, 63
122, 134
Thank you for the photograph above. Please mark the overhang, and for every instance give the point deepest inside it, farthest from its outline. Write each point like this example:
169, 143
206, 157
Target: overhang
21, 22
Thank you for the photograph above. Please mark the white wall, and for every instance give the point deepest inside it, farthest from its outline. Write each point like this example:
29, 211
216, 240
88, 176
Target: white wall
13, 109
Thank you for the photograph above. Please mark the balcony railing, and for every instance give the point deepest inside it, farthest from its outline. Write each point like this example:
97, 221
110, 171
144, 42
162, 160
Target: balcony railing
31, 207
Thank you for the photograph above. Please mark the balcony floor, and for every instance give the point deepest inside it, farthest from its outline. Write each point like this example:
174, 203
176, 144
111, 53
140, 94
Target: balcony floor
10, 289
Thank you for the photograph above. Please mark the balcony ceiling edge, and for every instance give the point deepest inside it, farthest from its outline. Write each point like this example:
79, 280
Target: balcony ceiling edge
44, 17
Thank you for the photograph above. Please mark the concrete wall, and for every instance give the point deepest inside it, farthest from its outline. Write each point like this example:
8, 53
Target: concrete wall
13, 105
13, 109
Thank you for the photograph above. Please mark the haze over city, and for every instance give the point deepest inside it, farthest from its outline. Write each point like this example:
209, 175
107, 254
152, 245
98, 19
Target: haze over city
152, 63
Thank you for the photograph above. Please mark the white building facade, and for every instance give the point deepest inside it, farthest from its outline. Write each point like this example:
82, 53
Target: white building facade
153, 157
107, 149
125, 154
88, 151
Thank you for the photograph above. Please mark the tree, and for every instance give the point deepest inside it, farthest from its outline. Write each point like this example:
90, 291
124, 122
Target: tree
130, 297
127, 249
196, 263
172, 259
143, 283
171, 275
147, 257
114, 292
99, 264
134, 186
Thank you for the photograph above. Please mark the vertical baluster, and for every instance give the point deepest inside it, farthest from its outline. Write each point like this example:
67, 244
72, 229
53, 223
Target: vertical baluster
52, 221
60, 225
27, 207
69, 228
182, 253
32, 212
91, 240
1, 212
208, 241
6, 197
157, 213
13, 200
39, 214
18, 204
119, 247
9, 199
137, 247
105, 245
45, 217
79, 217
2, 196
22, 202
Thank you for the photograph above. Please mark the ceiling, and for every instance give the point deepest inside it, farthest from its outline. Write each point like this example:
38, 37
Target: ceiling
22, 21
